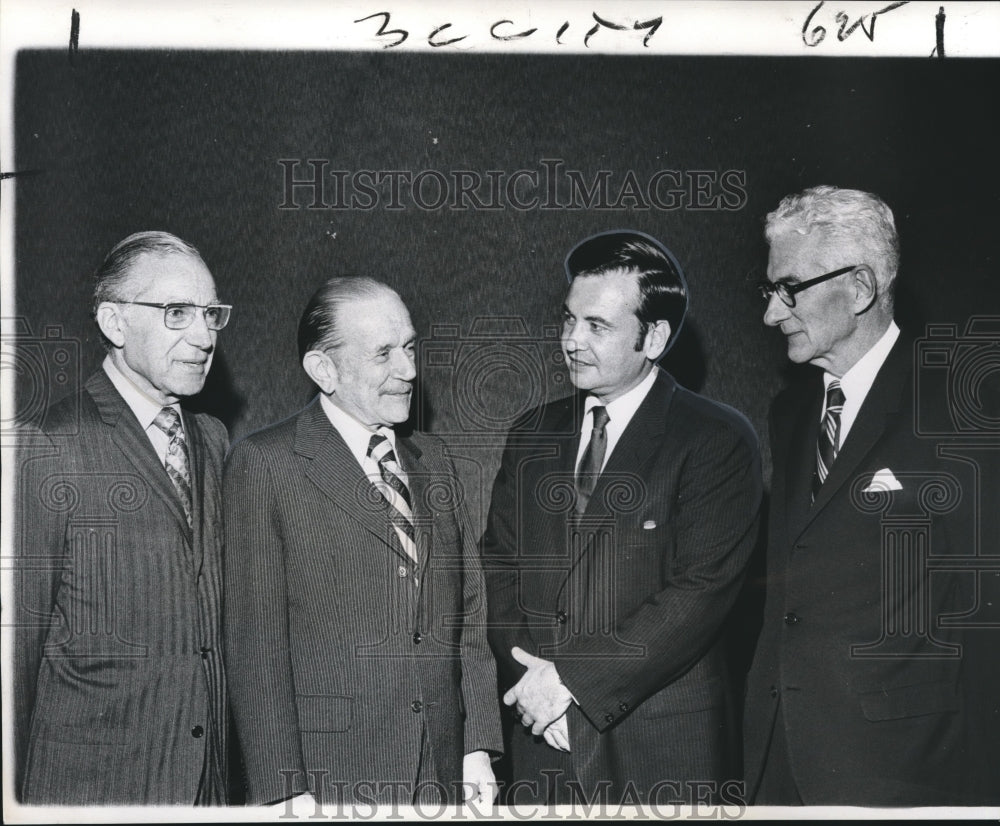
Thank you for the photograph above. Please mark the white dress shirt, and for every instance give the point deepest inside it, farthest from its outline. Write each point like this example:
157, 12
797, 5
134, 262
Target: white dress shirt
143, 406
857, 381
620, 413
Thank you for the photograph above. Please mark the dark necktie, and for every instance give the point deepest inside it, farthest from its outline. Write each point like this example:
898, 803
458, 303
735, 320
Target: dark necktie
593, 459
178, 467
829, 436
395, 492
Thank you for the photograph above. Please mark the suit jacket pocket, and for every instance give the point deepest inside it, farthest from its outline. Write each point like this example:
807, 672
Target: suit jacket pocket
324, 712
909, 701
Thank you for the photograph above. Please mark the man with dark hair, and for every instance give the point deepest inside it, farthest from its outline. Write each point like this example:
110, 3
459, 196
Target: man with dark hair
621, 523
355, 603
120, 693
869, 685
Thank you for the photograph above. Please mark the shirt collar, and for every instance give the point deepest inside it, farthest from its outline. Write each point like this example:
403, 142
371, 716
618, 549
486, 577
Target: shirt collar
144, 407
353, 432
622, 409
857, 381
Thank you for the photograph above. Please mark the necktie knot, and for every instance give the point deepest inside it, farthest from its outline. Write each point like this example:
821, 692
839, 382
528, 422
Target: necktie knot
835, 397
601, 418
169, 421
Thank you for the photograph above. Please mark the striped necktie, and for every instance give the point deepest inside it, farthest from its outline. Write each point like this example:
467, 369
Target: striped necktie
394, 489
829, 436
178, 467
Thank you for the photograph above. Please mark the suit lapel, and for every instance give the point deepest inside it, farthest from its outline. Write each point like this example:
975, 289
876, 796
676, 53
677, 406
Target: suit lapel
197, 451
335, 471
880, 407
631, 458
800, 462
133, 442
638, 443
418, 479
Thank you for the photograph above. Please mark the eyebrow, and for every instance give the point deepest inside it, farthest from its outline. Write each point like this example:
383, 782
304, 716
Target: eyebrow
591, 318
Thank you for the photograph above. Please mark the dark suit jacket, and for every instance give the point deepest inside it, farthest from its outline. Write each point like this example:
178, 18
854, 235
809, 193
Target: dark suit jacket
878, 706
630, 608
119, 688
342, 652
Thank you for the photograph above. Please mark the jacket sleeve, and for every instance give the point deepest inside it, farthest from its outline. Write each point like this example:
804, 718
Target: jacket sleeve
507, 623
39, 556
258, 656
716, 527
479, 675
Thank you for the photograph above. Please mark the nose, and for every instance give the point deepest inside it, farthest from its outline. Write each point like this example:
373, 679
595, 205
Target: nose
405, 366
198, 335
571, 339
776, 311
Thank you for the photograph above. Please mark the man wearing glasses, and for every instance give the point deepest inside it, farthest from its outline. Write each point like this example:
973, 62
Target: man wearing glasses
119, 684
859, 694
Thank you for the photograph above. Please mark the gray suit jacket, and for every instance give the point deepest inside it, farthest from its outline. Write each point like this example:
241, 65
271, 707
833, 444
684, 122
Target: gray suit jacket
120, 693
343, 653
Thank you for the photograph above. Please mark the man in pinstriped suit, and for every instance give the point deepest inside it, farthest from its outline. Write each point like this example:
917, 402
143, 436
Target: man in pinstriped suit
355, 603
120, 694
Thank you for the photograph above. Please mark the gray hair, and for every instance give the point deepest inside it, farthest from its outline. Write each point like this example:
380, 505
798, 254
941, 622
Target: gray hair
319, 327
861, 218
114, 272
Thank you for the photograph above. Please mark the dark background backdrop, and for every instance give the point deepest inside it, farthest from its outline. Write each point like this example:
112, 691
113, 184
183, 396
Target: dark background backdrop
190, 142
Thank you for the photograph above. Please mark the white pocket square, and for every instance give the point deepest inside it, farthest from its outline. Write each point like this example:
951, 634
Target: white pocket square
648, 525
883, 482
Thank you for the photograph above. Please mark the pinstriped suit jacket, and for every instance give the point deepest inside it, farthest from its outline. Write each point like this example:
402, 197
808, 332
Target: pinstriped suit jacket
120, 692
342, 653
630, 604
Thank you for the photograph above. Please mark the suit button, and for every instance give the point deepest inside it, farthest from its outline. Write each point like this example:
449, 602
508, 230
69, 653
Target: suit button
609, 718
197, 732
417, 637
561, 617
401, 570
623, 707
791, 618
205, 651
417, 706
774, 691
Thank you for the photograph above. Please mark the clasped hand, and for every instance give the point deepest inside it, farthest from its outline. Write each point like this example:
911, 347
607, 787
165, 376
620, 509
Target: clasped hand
541, 699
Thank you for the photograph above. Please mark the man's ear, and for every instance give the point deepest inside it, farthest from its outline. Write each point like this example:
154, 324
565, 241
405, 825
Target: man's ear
656, 339
321, 369
109, 319
865, 289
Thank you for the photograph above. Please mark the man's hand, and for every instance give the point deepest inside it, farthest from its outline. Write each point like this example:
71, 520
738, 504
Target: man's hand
478, 781
557, 734
539, 695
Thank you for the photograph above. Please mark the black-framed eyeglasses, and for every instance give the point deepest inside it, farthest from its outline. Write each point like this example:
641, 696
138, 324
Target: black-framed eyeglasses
181, 316
787, 290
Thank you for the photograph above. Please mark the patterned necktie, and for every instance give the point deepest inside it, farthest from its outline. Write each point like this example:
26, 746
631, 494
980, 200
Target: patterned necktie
829, 436
395, 492
178, 467
593, 459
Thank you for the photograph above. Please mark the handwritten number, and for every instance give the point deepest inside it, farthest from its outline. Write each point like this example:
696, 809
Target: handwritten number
382, 31
814, 37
